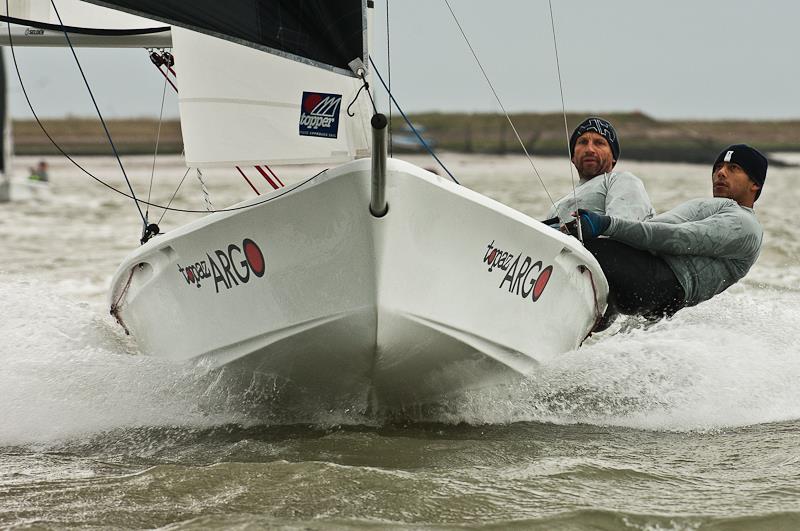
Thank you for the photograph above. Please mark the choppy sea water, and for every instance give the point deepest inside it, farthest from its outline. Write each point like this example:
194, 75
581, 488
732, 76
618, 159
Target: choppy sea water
688, 424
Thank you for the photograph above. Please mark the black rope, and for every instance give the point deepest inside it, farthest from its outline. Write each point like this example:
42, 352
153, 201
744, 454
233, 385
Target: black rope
365, 85
355, 98
99, 114
372, 101
410, 125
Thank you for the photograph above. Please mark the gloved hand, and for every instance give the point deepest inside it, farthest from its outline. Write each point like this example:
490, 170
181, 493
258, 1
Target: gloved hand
554, 223
592, 224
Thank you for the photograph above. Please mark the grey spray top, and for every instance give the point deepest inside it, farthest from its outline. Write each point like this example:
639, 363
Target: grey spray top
709, 244
621, 195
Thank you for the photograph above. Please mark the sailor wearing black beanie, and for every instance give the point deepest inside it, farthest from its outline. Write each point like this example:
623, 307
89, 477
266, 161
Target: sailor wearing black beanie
601, 127
749, 159
594, 149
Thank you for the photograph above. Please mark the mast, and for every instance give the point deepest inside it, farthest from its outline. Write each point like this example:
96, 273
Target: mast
6, 150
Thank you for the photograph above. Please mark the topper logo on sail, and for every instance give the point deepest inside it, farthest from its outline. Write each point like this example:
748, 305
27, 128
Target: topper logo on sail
230, 268
527, 279
319, 114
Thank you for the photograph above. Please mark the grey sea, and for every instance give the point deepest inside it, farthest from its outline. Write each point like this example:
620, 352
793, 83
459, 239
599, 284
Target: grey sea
690, 424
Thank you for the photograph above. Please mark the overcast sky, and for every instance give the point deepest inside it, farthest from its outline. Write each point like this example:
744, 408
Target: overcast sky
691, 59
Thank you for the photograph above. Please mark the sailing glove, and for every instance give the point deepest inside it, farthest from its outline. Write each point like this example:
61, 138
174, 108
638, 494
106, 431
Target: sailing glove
554, 223
592, 224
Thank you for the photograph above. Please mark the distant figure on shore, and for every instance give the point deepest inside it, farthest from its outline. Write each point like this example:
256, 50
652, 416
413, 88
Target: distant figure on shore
685, 255
594, 147
39, 173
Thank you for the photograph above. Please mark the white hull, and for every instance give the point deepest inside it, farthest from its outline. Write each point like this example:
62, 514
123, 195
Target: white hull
401, 310
23, 189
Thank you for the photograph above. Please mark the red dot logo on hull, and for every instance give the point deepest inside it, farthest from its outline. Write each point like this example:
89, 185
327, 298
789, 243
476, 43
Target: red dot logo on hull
255, 258
541, 282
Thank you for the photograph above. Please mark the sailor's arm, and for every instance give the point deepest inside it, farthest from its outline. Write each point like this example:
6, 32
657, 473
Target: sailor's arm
725, 234
627, 198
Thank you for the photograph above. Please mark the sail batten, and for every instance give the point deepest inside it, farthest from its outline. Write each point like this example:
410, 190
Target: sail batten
324, 33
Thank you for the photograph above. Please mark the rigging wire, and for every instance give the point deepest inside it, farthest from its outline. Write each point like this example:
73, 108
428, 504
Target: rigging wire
389, 77
511, 123
366, 86
155, 150
173, 196
410, 125
564, 113
41, 125
112, 188
99, 114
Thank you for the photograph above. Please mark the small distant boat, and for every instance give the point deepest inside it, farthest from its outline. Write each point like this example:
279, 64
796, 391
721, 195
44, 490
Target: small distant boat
404, 139
374, 279
25, 189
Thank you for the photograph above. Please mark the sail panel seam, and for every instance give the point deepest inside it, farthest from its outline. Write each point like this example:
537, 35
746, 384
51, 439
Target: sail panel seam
241, 101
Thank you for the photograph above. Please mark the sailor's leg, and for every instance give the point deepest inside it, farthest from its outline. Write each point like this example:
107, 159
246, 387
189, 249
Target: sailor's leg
640, 283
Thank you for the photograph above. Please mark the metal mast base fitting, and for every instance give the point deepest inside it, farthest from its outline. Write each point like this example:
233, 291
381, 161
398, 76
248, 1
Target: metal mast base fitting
377, 204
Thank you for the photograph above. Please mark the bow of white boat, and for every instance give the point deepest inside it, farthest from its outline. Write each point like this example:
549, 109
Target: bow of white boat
449, 290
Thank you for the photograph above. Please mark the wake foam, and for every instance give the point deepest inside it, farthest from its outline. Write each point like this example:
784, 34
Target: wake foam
68, 372
729, 362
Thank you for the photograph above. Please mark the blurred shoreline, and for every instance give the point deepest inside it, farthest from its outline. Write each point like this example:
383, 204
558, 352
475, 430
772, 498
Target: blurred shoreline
642, 137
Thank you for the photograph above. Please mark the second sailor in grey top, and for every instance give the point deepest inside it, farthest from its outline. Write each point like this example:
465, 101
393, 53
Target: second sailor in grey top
708, 243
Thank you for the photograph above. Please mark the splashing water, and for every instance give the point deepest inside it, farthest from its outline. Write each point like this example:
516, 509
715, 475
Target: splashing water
731, 363
68, 372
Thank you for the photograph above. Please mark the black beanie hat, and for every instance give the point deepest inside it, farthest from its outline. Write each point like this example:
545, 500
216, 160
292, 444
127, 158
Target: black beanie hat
599, 126
752, 161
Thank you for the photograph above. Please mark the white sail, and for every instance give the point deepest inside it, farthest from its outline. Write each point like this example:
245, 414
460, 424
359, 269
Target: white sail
240, 106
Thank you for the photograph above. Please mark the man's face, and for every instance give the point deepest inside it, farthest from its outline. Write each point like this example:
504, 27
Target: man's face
730, 180
592, 155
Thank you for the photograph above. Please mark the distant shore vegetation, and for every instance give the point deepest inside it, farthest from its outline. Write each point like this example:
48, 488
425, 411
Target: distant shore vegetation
642, 137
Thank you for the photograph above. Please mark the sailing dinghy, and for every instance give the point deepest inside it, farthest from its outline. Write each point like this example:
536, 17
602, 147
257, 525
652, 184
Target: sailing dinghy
374, 279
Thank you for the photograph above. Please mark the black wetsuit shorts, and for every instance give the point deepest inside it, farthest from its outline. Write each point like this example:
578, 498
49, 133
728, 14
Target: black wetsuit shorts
640, 283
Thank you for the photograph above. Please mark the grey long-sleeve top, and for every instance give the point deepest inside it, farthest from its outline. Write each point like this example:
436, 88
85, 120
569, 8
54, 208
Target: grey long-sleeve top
708, 243
620, 195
